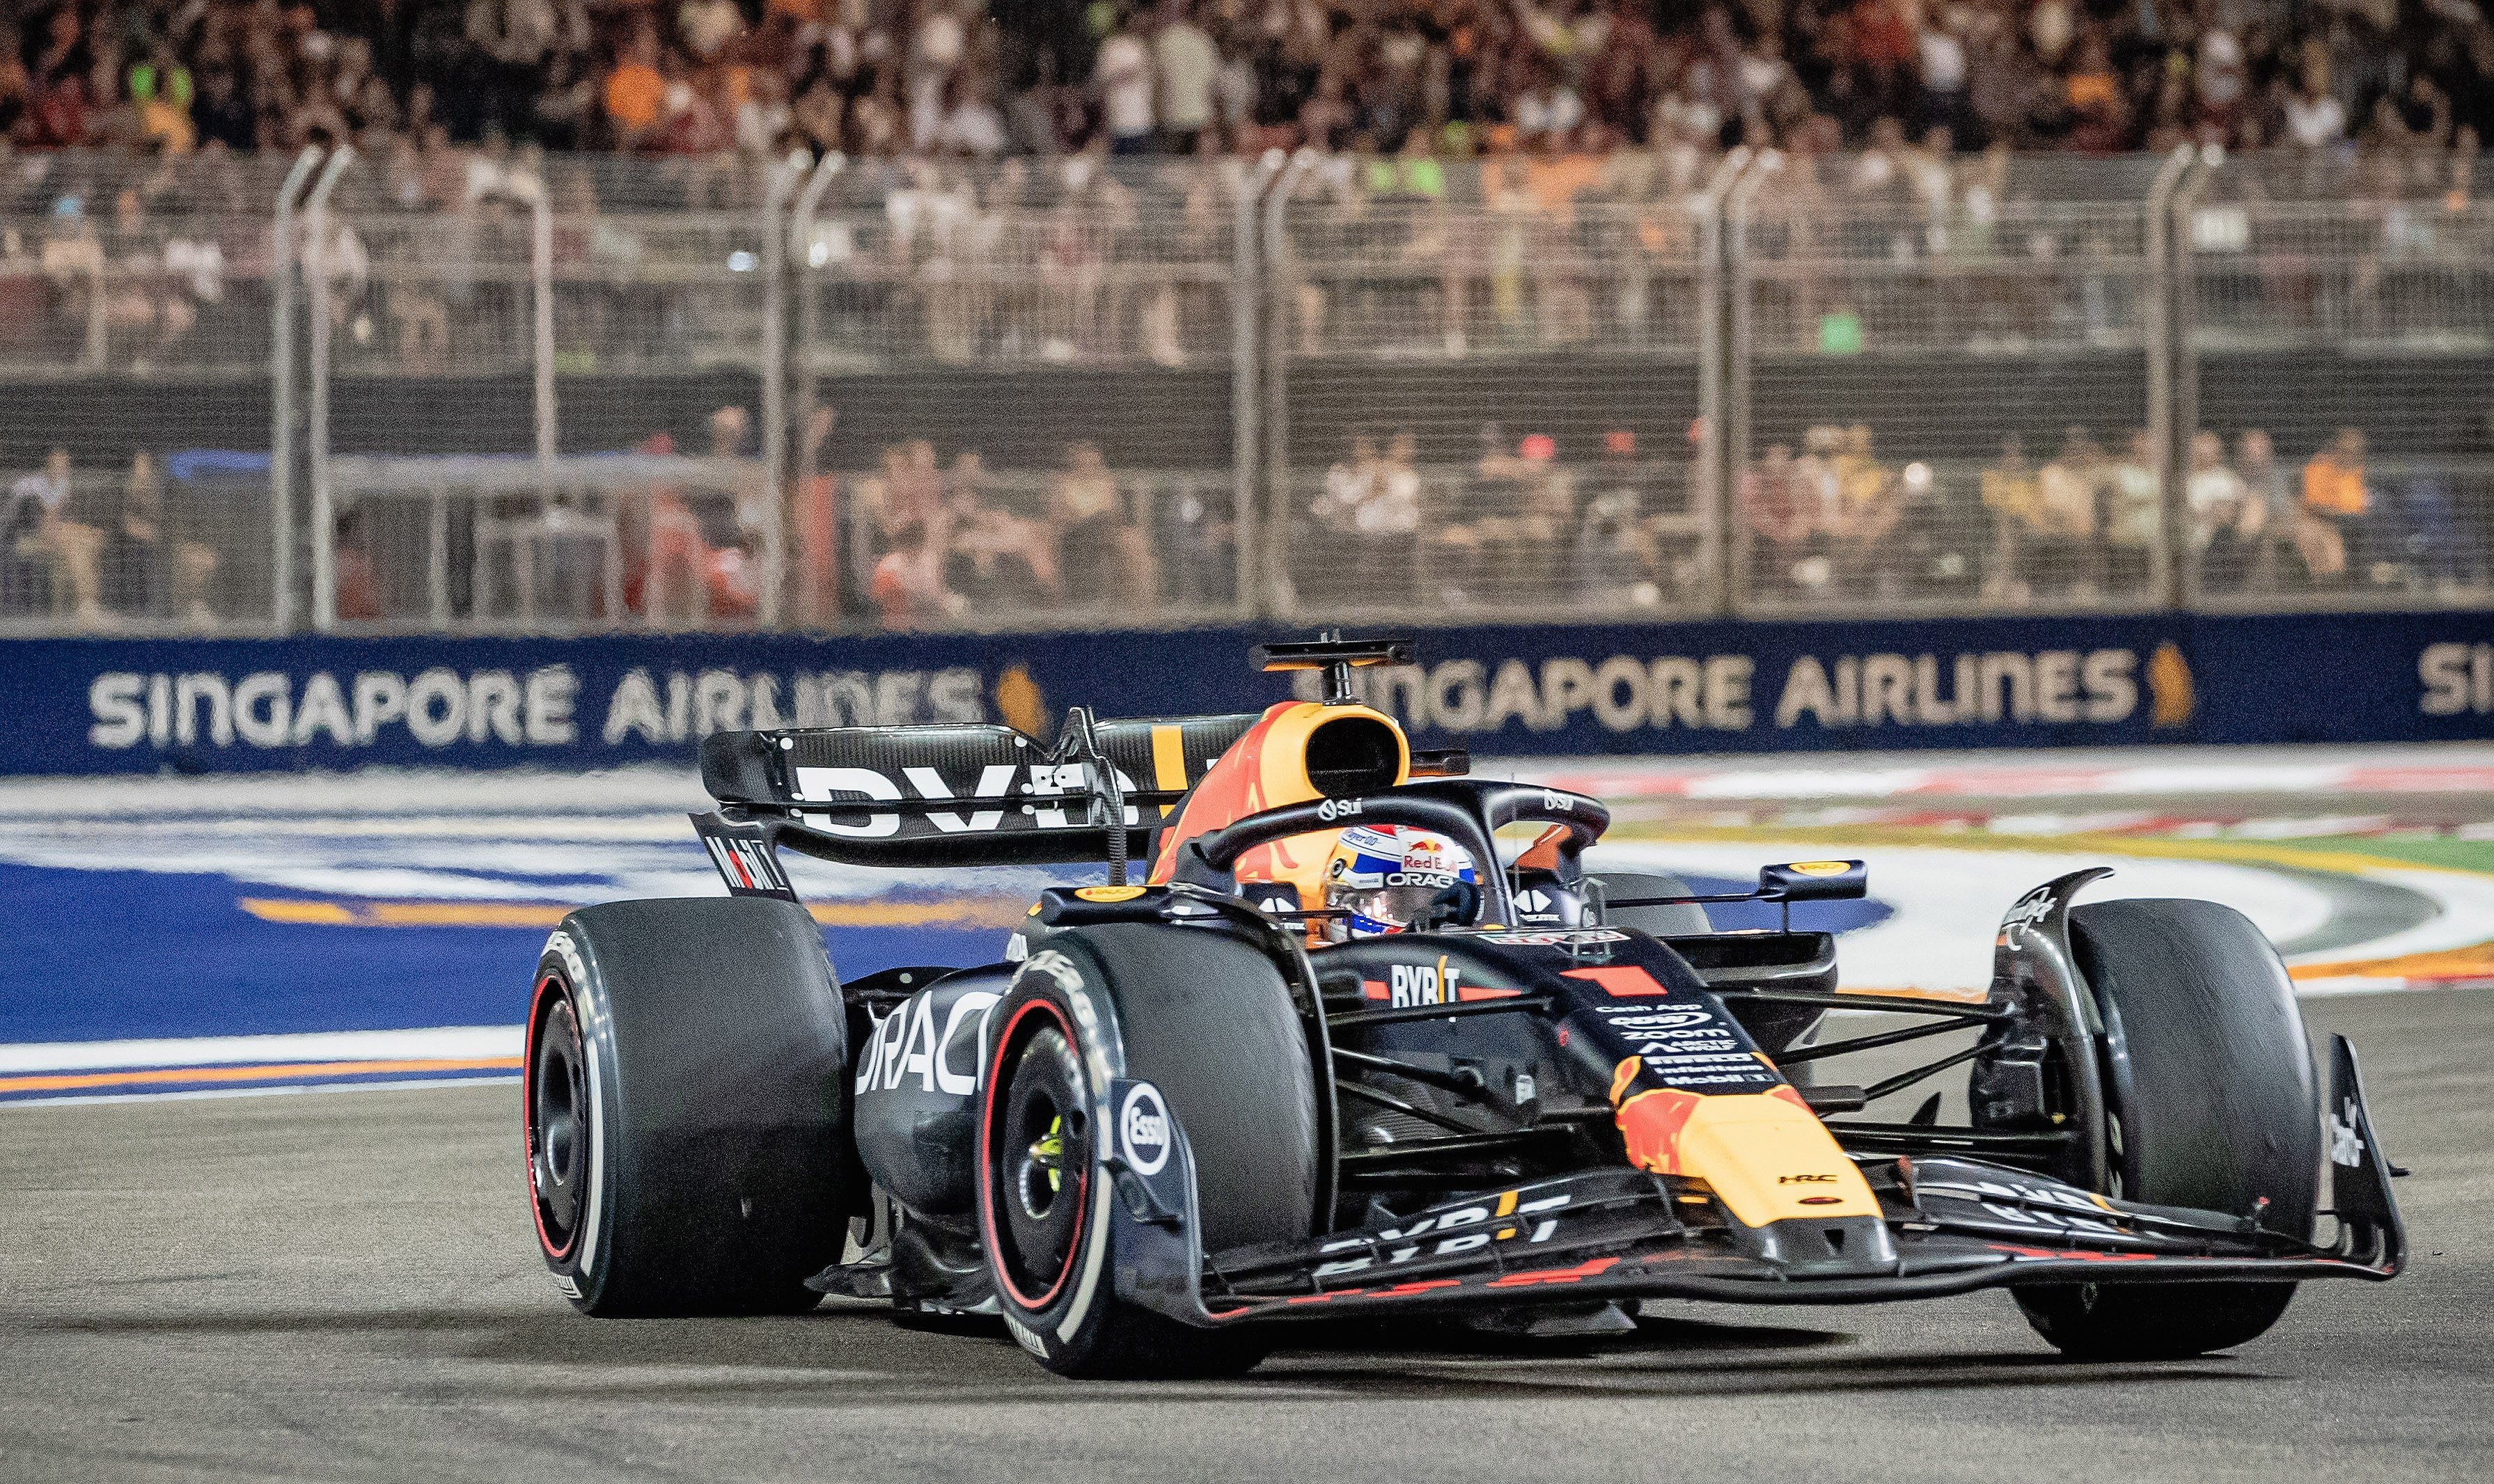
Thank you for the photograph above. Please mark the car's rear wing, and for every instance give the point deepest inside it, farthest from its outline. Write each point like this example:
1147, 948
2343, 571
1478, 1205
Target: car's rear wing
964, 795
978, 794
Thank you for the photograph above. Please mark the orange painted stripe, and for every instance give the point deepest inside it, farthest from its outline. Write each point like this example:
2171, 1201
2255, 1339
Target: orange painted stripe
463, 915
71, 1080
281, 910
2476, 961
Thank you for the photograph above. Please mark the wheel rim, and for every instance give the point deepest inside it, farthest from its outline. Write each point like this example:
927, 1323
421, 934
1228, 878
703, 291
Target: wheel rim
559, 1119
1039, 1167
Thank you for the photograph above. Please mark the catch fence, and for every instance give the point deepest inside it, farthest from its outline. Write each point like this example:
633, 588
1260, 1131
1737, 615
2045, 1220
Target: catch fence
501, 392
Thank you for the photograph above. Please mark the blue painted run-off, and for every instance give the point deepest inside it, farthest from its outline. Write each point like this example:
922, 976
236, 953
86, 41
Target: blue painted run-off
114, 955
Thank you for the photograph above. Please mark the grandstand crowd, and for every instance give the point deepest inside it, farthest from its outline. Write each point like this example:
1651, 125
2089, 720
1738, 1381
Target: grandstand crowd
880, 78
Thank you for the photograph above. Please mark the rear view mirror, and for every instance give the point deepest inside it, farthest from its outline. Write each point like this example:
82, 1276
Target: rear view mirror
1813, 881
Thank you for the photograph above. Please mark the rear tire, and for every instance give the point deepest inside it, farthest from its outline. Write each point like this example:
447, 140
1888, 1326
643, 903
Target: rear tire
2208, 1088
1208, 1019
685, 1095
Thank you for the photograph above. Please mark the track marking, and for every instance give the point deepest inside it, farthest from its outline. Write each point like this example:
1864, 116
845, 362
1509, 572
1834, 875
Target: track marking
69, 1081
268, 1090
439, 1044
968, 912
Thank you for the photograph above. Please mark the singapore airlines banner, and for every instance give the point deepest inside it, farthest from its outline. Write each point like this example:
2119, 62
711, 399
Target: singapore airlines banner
139, 706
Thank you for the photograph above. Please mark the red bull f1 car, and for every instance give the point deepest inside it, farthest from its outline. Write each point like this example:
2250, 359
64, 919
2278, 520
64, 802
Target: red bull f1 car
1318, 1050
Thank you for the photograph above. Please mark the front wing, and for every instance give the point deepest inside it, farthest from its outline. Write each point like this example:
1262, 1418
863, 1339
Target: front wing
1948, 1226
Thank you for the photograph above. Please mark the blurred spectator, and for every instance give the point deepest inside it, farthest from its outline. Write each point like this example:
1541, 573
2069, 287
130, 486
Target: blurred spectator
2227, 517
634, 89
1523, 547
359, 591
1347, 486
910, 494
997, 560
2433, 545
908, 582
1868, 506
154, 566
2265, 484
2314, 117
1123, 76
1388, 520
1456, 75
2013, 492
2062, 550
51, 561
2335, 503
1093, 555
1781, 509
876, 79
1614, 543
1186, 66
2134, 518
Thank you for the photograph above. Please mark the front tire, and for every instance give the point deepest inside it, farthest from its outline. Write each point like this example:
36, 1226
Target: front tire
2208, 1089
685, 1098
1207, 1019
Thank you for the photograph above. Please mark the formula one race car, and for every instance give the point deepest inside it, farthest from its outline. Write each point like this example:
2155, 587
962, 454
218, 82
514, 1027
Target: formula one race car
1335, 1056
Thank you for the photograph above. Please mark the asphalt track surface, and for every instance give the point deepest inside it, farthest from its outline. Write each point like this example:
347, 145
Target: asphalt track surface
344, 1286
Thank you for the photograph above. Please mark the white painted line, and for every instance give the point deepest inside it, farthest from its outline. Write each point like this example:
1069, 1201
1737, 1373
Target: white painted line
449, 1042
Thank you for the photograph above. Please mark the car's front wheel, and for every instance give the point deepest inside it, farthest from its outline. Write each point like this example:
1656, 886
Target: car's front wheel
2210, 1104
1207, 1020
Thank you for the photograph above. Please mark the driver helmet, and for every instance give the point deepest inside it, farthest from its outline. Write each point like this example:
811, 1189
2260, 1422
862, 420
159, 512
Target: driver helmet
1381, 877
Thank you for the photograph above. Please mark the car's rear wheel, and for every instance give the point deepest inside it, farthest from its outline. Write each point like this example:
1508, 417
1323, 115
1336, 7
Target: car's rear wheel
685, 1107
1208, 1021
2210, 1104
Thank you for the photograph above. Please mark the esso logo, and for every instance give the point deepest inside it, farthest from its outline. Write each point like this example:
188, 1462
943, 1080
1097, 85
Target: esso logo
1143, 1128
1661, 1020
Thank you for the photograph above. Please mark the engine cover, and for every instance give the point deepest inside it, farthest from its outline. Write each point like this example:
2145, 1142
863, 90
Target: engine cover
917, 1088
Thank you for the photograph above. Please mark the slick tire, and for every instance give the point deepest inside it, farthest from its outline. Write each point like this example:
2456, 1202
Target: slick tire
685, 1102
2211, 1101
1206, 1018
1676, 920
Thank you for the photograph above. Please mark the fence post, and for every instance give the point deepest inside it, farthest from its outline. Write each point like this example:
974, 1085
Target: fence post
2167, 435
281, 371
324, 534
1713, 480
541, 279
1248, 294
820, 568
1276, 581
1736, 373
774, 387
2183, 388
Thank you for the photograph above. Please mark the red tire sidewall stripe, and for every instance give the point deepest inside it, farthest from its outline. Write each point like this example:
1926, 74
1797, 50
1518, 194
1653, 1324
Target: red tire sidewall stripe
988, 1220
537, 1010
